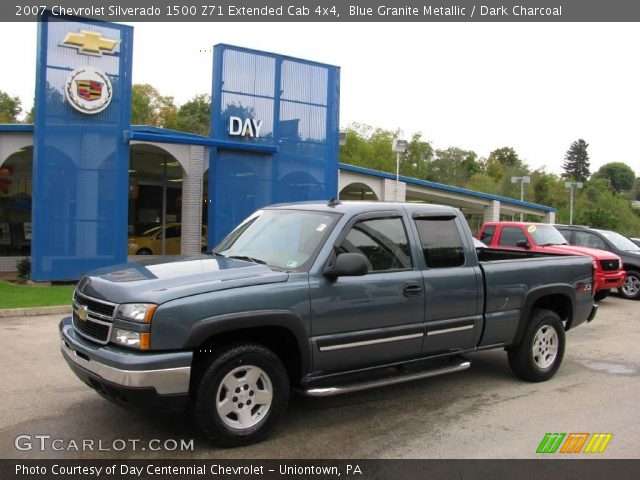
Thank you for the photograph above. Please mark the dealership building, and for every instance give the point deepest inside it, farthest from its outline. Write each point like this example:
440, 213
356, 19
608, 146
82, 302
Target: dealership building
83, 188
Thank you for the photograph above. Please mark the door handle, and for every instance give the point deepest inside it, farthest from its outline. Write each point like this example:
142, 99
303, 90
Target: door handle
412, 290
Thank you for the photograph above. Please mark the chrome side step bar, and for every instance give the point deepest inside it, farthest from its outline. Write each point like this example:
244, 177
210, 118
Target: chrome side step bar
456, 366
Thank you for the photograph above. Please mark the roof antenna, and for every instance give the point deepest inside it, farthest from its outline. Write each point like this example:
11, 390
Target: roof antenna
333, 202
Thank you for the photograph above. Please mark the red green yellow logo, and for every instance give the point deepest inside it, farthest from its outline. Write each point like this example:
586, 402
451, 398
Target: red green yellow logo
574, 442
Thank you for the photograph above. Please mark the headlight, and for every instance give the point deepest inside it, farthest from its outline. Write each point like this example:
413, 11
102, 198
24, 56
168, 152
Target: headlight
131, 339
136, 312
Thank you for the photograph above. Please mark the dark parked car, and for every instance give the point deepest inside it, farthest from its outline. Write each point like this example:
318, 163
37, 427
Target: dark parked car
614, 242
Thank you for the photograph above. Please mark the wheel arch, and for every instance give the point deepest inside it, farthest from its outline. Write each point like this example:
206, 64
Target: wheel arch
283, 332
557, 298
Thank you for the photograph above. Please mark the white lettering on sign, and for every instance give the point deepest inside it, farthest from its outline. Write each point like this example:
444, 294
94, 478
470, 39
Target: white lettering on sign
249, 128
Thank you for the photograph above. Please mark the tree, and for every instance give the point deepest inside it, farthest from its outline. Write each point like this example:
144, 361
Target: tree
415, 161
195, 115
148, 107
620, 176
10, 108
507, 156
576, 161
453, 166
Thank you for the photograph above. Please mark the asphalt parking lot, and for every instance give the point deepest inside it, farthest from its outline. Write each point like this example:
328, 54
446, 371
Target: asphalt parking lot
483, 412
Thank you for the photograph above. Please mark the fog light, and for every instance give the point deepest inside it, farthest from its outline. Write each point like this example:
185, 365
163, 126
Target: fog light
131, 339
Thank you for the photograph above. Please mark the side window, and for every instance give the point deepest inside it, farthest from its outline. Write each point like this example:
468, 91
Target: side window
382, 240
172, 232
587, 239
487, 234
566, 234
440, 241
510, 236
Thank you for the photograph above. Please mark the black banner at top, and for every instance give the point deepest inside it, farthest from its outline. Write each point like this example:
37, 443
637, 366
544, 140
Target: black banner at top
328, 10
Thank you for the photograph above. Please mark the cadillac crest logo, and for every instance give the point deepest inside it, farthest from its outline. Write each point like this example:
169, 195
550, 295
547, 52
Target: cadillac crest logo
88, 90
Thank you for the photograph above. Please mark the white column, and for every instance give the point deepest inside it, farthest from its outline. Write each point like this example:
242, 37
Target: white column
550, 217
192, 201
492, 212
389, 193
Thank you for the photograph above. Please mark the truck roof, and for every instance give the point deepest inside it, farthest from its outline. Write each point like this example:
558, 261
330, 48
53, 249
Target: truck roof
357, 207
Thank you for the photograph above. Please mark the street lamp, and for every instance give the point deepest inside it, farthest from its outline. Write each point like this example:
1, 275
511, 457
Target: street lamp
522, 181
570, 186
342, 138
399, 146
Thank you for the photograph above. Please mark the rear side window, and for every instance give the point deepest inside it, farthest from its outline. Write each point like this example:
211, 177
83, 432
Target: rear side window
487, 234
510, 236
440, 241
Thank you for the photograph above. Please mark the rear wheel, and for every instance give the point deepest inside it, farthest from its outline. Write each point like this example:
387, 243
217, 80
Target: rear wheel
631, 287
241, 395
143, 251
538, 356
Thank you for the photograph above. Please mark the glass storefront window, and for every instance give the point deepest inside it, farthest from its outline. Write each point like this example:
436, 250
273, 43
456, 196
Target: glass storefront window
15, 203
155, 202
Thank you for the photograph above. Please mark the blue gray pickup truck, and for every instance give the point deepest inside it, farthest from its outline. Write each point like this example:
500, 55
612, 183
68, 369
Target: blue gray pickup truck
322, 299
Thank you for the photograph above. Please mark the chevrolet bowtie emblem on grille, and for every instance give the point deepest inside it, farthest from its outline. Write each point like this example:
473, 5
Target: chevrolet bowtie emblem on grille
90, 43
82, 312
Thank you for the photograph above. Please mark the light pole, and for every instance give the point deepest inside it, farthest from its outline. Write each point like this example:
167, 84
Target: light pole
399, 146
522, 180
570, 186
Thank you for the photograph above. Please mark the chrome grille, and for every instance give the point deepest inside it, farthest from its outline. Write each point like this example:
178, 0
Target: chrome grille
93, 318
609, 265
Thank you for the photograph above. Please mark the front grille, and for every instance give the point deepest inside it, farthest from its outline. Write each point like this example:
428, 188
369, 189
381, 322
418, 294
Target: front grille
99, 317
94, 330
610, 265
94, 305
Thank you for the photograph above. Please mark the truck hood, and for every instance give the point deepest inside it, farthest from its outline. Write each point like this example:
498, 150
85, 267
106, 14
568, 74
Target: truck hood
168, 278
576, 250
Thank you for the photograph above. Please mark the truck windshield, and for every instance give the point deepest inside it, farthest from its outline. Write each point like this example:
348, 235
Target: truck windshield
546, 235
620, 241
284, 239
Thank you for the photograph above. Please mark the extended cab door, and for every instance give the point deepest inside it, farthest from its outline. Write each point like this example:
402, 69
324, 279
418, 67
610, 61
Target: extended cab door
375, 318
453, 284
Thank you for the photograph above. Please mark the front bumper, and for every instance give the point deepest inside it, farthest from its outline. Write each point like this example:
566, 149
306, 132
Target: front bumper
606, 281
143, 379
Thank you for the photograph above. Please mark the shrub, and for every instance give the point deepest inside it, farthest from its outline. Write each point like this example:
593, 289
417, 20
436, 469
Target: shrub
24, 268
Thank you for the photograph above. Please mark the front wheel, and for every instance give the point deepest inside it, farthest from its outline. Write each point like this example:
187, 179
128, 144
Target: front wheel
538, 356
241, 395
631, 287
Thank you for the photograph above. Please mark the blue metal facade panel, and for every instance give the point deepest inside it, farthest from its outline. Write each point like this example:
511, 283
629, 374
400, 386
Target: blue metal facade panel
298, 103
81, 162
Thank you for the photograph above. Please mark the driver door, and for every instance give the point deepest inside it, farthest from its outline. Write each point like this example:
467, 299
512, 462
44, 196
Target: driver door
376, 318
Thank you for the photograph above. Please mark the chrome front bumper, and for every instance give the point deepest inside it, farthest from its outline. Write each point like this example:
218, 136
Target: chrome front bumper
166, 373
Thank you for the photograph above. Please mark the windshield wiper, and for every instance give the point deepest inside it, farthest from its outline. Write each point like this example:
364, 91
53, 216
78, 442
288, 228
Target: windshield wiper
250, 259
550, 244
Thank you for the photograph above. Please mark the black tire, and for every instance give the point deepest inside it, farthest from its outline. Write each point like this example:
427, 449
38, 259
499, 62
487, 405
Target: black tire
211, 392
601, 295
630, 288
532, 367
144, 251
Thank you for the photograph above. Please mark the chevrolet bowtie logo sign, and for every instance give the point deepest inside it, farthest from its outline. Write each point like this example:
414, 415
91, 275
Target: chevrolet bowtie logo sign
90, 43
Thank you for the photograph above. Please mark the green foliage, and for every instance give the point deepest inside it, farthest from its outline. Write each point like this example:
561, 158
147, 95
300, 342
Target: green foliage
24, 268
576, 161
620, 175
148, 107
195, 115
10, 108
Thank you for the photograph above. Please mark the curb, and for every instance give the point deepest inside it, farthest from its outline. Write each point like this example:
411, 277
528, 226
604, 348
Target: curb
33, 311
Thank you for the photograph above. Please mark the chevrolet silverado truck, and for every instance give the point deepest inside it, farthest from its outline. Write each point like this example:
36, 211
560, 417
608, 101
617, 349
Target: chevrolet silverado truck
323, 299
542, 237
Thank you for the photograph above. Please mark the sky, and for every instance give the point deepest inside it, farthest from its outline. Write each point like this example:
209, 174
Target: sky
535, 87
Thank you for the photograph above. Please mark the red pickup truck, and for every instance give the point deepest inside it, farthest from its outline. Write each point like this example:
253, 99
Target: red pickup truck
542, 237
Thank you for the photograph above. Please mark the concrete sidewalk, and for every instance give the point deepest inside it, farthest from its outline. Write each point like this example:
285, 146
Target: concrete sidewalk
34, 311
